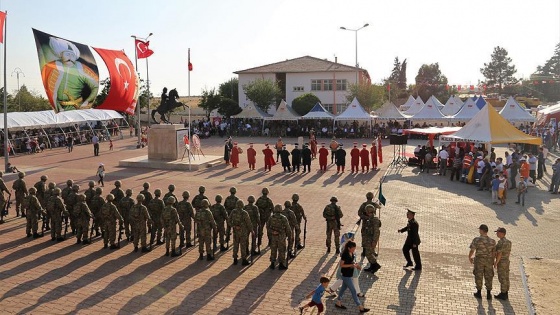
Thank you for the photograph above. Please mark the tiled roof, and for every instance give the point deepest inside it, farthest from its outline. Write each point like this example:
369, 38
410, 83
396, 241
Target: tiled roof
301, 64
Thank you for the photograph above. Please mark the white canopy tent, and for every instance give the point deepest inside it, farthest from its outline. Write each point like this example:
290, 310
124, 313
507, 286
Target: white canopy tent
251, 111
408, 103
390, 112
284, 112
48, 118
354, 111
429, 112
451, 107
513, 112
544, 115
318, 112
434, 101
415, 107
468, 111
458, 100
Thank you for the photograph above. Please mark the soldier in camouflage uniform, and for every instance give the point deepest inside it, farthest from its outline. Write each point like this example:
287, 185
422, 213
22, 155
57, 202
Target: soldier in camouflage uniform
56, 210
139, 217
117, 192
255, 216
241, 224
124, 209
3, 189
47, 195
265, 211
332, 215
20, 189
230, 204
34, 209
90, 193
96, 203
155, 209
171, 189
370, 231
220, 216
82, 215
364, 217
291, 216
71, 201
278, 229
198, 198
300, 214
170, 220
206, 225
64, 194
483, 261
147, 194
186, 215
110, 215
503, 250
41, 187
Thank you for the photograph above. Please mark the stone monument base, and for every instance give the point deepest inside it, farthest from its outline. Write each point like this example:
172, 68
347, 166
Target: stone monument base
198, 163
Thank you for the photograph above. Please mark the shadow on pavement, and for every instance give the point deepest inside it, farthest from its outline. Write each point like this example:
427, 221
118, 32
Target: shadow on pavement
407, 298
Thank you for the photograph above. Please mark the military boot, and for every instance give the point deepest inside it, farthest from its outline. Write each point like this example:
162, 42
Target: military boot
60, 239
175, 253
299, 246
78, 241
291, 255
337, 250
502, 296
106, 246
223, 248
189, 244
272, 266
235, 261
488, 294
245, 262
167, 251
36, 235
328, 249
201, 256
135, 249
477, 294
282, 267
160, 242
86, 241
182, 243
145, 249
209, 257
113, 246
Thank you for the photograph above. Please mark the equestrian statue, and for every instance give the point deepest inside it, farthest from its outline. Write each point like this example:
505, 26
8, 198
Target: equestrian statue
167, 105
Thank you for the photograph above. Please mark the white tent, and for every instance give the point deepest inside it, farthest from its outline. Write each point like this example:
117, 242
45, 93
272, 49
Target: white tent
251, 111
451, 106
468, 111
48, 118
458, 100
513, 112
544, 115
318, 112
354, 111
429, 112
390, 112
408, 103
284, 112
434, 101
415, 107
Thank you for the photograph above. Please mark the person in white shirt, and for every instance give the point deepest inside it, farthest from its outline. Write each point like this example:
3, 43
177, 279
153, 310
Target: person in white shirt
532, 160
509, 159
479, 168
499, 165
443, 156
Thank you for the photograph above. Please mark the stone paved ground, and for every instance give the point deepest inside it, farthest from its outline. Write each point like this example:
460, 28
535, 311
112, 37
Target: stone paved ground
39, 276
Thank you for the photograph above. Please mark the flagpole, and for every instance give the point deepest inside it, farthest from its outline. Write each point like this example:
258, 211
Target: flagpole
148, 85
6, 148
189, 72
138, 102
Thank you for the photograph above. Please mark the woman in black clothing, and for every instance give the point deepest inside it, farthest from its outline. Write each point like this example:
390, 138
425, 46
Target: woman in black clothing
347, 266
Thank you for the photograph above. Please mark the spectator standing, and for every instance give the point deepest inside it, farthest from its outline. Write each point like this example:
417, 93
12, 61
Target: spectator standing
540, 163
443, 156
95, 141
101, 174
532, 167
70, 143
521, 190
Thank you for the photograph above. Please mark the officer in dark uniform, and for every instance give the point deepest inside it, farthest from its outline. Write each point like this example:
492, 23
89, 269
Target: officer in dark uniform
412, 241
340, 156
296, 158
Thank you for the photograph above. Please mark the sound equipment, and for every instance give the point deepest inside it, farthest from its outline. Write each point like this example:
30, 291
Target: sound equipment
413, 161
398, 139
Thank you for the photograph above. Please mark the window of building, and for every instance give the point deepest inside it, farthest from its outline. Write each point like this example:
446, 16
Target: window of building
315, 85
341, 85
328, 107
327, 85
298, 88
340, 108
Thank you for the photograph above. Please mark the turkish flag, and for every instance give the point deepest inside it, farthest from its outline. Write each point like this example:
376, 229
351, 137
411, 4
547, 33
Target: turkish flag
2, 22
122, 95
472, 87
190, 66
389, 87
142, 49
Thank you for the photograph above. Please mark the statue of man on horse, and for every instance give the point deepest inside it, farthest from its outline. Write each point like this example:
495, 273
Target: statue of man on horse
167, 105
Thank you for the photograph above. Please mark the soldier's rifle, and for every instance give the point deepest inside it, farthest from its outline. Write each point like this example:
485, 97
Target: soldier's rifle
304, 232
121, 231
92, 229
43, 225
66, 226
336, 217
4, 211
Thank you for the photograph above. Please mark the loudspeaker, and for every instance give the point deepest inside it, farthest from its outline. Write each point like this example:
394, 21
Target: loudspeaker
398, 139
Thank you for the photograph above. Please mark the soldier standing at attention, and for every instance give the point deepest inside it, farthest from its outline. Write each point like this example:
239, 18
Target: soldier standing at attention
300, 214
64, 194
254, 214
412, 241
139, 216
306, 158
20, 189
82, 214
241, 223
47, 196
124, 209
296, 158
265, 211
332, 215
171, 189
71, 201
90, 192
196, 202
251, 157
155, 209
34, 209
355, 158
278, 228
41, 187
230, 204
3, 189
110, 215
503, 249
206, 225
364, 217
291, 216
96, 203
323, 154
370, 228
220, 216
340, 159
170, 220
117, 192
55, 206
483, 261
147, 194
186, 215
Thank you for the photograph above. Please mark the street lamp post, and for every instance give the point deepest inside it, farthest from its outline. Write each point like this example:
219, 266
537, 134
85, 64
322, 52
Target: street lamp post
356, 33
17, 72
139, 125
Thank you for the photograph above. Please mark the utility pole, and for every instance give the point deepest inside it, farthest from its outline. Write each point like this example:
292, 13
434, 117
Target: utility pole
17, 72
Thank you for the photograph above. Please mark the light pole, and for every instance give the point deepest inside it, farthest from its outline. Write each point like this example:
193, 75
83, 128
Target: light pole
356, 33
17, 72
138, 73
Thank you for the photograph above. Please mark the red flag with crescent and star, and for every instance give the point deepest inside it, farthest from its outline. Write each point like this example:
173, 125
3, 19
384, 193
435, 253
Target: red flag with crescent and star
123, 93
142, 49
2, 22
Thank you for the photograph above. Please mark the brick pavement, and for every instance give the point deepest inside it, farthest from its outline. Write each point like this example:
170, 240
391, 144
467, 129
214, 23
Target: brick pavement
40, 276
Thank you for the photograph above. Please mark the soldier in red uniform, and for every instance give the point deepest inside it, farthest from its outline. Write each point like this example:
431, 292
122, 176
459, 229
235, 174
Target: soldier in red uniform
234, 159
364, 158
323, 155
373, 152
355, 158
268, 158
251, 157
313, 143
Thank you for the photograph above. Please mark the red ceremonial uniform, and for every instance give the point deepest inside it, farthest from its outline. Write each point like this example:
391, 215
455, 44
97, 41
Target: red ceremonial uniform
268, 158
355, 159
313, 143
234, 158
251, 158
364, 159
323, 155
373, 152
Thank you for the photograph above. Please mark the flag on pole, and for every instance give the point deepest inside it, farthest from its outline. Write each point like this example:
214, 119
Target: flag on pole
2, 22
379, 150
143, 49
381, 198
190, 64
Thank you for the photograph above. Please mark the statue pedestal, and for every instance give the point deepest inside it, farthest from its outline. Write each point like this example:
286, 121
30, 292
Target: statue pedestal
165, 142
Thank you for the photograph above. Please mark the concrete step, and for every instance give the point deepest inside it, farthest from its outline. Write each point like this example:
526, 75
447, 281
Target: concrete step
213, 163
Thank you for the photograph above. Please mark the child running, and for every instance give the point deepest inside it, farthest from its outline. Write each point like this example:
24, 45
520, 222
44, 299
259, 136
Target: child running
317, 294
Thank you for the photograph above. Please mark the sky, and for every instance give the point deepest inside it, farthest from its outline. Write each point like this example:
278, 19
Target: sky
228, 36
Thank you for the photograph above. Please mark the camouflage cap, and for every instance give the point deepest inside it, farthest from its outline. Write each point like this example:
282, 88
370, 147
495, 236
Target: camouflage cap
265, 191
251, 199
32, 190
52, 185
44, 177
70, 182
186, 194
129, 192
99, 190
21, 174
201, 189
170, 200
110, 197
233, 190
277, 208
334, 199
295, 197
205, 203
287, 204
239, 204
91, 183
219, 198
171, 187
157, 192
146, 185
118, 183
57, 191
140, 197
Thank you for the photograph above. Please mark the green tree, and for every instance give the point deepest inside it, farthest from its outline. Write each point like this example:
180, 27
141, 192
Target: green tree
369, 95
12, 104
397, 80
499, 71
430, 81
210, 100
27, 101
228, 107
551, 68
144, 96
304, 103
102, 96
263, 93
230, 89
